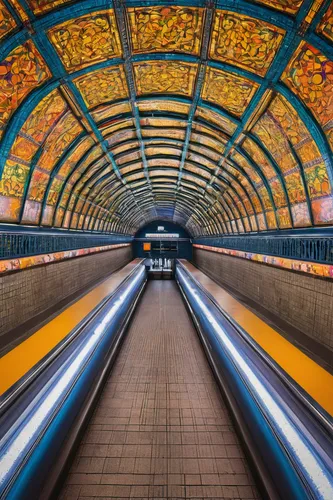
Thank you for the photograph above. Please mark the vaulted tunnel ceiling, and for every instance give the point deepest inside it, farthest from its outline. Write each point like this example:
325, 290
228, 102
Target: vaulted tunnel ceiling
218, 116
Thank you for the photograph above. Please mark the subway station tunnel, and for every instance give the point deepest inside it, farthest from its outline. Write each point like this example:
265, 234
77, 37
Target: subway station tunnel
166, 249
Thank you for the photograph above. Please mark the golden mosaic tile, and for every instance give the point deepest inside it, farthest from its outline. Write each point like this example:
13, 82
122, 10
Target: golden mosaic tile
325, 26
7, 22
66, 130
309, 74
166, 28
276, 142
168, 77
102, 86
118, 125
288, 6
231, 92
44, 116
86, 40
21, 72
244, 41
42, 6
19, 9
75, 156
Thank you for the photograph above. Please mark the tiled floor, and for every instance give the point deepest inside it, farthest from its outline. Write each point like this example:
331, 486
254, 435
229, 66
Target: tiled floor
161, 429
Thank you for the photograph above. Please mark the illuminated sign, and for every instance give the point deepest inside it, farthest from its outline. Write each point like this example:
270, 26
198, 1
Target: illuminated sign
166, 235
146, 247
160, 228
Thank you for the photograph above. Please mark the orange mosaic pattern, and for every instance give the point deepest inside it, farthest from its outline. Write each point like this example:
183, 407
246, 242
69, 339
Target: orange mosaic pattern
244, 41
7, 23
38, 260
164, 29
322, 270
19, 9
13, 180
44, 117
276, 142
270, 170
309, 75
169, 77
103, 86
326, 25
289, 6
75, 156
26, 144
60, 138
230, 91
84, 41
21, 72
42, 6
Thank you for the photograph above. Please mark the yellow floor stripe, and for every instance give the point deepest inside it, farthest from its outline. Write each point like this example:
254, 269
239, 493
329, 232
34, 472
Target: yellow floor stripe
309, 375
22, 358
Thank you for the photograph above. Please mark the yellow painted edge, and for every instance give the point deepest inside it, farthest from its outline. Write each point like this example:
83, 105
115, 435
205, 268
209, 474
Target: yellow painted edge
17, 362
314, 379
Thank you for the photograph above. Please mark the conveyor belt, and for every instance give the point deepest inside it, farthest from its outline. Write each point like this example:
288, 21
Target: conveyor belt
161, 428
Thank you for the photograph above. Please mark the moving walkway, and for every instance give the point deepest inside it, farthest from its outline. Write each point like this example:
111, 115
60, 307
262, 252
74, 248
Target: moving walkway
151, 422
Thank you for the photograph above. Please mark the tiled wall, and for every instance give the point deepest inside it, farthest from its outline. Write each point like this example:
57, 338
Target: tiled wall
303, 301
26, 293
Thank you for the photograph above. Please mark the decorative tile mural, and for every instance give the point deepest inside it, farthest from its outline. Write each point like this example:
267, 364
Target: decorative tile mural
244, 41
7, 22
290, 6
221, 95
326, 25
166, 29
87, 40
231, 92
21, 72
103, 86
167, 77
309, 74
322, 270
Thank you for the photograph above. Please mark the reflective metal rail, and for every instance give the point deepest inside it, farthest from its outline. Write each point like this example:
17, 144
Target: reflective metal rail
290, 445
34, 429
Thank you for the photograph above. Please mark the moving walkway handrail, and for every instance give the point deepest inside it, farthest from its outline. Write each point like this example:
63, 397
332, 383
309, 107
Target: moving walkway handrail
291, 450
318, 411
36, 425
21, 385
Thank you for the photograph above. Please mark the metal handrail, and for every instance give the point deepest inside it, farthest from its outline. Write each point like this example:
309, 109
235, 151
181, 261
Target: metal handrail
309, 248
24, 244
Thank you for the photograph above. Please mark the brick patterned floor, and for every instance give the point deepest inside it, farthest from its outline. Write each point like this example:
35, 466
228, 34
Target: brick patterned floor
161, 429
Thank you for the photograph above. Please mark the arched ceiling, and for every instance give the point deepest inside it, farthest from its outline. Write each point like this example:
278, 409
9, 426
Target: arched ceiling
216, 115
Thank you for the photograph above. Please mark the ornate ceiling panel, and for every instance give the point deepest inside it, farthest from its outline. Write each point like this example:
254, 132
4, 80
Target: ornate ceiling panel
244, 41
84, 41
233, 93
218, 116
166, 77
166, 29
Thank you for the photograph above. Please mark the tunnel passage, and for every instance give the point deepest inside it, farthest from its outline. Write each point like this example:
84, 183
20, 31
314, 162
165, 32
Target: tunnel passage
161, 428
213, 116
